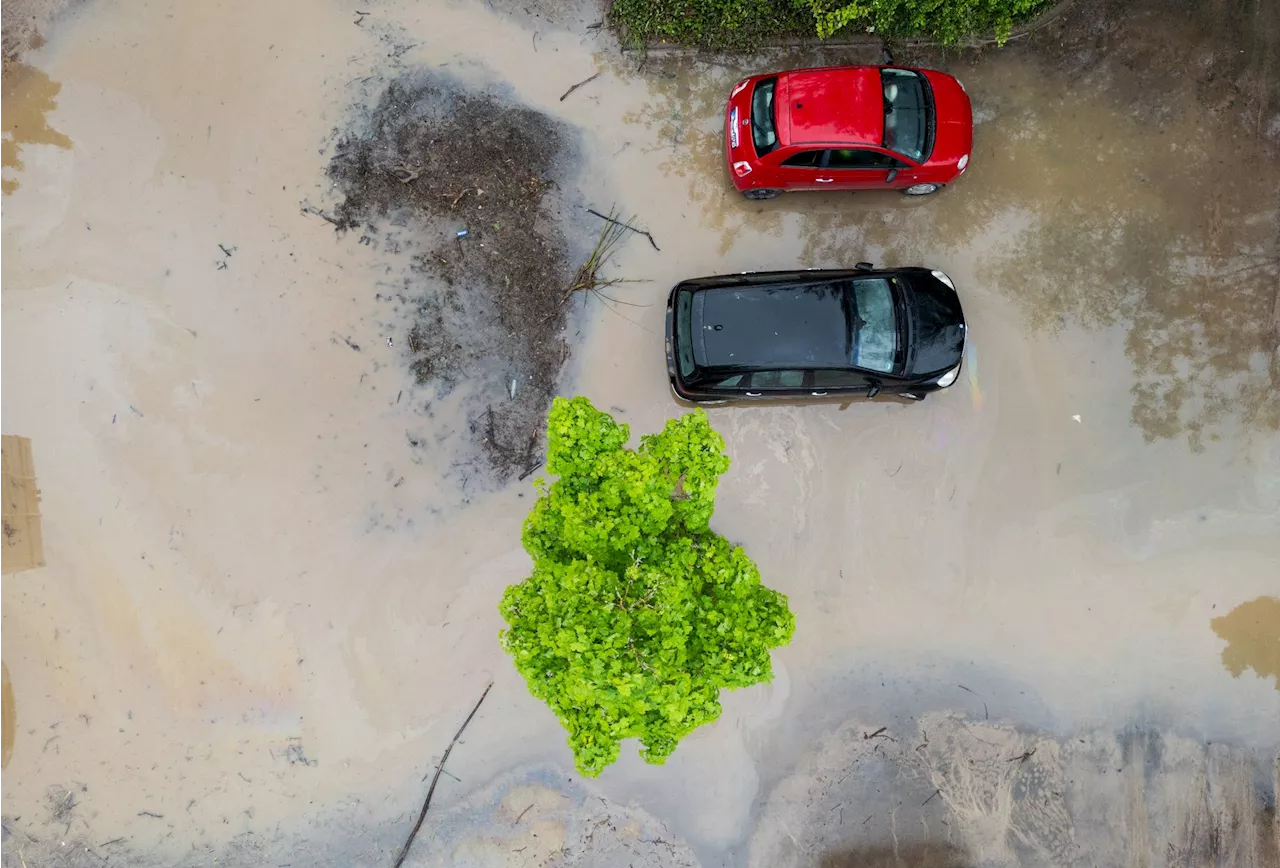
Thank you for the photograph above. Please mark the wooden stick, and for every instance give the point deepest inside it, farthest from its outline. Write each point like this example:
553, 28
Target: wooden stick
422, 815
578, 85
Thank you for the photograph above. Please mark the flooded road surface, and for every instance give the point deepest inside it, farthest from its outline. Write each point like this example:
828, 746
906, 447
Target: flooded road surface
270, 596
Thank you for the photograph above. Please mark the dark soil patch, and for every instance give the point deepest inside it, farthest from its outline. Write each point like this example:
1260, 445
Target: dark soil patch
490, 304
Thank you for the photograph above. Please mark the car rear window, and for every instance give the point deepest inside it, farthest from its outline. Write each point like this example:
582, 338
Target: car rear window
875, 326
764, 130
908, 113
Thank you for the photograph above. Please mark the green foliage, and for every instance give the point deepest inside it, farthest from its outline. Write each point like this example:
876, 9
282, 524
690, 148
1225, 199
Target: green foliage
945, 20
708, 23
637, 614
748, 23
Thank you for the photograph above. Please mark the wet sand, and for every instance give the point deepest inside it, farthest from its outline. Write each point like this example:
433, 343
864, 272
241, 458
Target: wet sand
249, 626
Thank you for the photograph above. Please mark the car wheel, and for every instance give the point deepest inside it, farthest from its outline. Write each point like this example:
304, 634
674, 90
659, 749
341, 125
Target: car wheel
762, 193
922, 189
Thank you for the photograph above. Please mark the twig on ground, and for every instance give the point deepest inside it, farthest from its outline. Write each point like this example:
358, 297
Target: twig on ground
985, 715
311, 209
578, 85
626, 226
426, 803
151, 814
874, 734
1022, 757
931, 798
522, 813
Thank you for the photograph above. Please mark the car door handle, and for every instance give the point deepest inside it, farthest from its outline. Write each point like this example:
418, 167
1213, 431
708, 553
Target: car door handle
818, 394
753, 394
825, 180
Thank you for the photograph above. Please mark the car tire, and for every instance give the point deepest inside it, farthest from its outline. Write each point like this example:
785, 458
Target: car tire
921, 189
761, 193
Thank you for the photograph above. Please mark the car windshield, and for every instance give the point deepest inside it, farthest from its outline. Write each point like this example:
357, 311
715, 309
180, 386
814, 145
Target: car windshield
764, 131
908, 124
684, 333
875, 326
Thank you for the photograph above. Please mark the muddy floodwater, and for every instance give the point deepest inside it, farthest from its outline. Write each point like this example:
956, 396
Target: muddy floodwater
1036, 614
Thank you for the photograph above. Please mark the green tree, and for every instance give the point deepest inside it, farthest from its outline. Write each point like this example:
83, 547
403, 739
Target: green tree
637, 614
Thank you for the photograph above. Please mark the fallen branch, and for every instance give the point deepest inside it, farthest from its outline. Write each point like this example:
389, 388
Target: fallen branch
578, 85
626, 226
426, 803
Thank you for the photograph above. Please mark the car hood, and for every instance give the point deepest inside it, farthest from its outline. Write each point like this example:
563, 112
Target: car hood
953, 116
937, 326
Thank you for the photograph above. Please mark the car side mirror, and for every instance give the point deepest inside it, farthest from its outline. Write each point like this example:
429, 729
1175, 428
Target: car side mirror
864, 266
873, 391
893, 173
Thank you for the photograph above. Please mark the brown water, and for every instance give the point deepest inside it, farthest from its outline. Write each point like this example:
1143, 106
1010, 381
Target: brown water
29, 95
246, 619
1252, 633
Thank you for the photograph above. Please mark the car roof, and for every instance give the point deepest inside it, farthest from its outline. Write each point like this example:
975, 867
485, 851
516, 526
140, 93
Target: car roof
793, 325
834, 106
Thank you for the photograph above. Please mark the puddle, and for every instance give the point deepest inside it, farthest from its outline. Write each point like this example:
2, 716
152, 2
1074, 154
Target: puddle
29, 95
22, 543
1252, 633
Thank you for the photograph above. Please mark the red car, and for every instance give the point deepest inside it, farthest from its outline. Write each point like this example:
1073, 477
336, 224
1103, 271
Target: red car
848, 128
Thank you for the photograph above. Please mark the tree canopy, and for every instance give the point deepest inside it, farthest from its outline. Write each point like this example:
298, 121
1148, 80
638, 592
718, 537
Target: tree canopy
636, 614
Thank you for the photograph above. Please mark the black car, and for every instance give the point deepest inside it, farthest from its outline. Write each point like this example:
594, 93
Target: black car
788, 334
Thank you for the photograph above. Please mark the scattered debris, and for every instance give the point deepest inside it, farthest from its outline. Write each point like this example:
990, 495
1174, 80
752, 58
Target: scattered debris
296, 755
346, 340
311, 209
